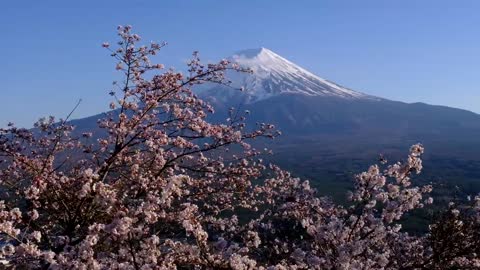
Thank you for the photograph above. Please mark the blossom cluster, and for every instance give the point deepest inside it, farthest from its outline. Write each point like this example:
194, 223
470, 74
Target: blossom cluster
158, 186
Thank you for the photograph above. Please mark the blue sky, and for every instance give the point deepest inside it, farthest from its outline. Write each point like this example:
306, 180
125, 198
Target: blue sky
408, 50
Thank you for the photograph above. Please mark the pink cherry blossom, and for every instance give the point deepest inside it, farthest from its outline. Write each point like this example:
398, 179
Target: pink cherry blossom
161, 187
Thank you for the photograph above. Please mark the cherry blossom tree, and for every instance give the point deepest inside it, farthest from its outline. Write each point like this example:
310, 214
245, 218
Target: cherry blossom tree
161, 187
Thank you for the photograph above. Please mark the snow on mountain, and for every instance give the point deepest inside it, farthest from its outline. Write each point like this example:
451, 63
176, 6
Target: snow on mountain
274, 75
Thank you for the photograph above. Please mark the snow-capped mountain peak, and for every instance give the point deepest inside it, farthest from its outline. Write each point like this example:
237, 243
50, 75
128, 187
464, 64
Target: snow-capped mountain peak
274, 75
262, 59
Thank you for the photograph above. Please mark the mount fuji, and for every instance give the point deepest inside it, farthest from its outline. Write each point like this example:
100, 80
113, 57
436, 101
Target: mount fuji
300, 103
330, 130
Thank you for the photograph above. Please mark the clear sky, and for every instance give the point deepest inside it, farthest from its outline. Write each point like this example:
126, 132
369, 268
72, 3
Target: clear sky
407, 50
